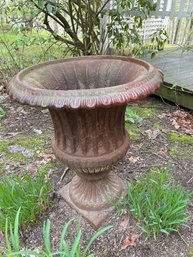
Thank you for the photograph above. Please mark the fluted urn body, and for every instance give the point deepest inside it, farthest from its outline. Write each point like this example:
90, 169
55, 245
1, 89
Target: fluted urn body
87, 97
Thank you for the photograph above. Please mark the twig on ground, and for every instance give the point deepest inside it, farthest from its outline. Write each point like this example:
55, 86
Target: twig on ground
189, 180
182, 238
63, 175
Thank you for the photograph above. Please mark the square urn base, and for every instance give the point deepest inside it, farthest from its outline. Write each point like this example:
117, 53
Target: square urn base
95, 218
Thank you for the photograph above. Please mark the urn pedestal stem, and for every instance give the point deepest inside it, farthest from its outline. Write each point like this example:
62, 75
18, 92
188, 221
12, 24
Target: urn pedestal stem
90, 142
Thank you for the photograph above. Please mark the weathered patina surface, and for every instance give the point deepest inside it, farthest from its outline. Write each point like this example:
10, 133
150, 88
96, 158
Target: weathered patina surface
87, 97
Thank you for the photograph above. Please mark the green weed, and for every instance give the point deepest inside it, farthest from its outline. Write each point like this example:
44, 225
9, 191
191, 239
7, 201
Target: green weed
190, 253
2, 113
157, 203
133, 131
146, 111
29, 194
132, 117
181, 151
65, 249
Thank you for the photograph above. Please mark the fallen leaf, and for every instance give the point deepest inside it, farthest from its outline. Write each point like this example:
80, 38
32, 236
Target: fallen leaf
115, 244
1, 88
129, 241
123, 225
134, 159
180, 114
152, 134
186, 122
175, 124
45, 159
162, 152
163, 115
31, 169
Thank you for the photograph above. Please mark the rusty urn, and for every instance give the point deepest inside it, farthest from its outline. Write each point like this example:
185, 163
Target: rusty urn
87, 98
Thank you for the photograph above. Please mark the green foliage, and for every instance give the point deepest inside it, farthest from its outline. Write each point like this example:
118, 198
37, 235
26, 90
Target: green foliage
132, 117
176, 137
29, 194
2, 113
133, 131
157, 203
190, 253
20, 50
12, 242
159, 38
66, 249
120, 31
81, 22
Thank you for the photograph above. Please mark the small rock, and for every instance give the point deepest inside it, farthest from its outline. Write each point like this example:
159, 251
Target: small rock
38, 131
44, 111
20, 149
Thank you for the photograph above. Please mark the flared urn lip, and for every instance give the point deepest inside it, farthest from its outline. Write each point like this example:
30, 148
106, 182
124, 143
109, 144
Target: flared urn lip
143, 85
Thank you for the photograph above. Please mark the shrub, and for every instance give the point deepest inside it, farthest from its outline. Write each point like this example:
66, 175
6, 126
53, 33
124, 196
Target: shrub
29, 194
157, 203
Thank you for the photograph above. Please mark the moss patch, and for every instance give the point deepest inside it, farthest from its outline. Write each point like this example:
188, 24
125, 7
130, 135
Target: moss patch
144, 112
45, 168
181, 151
157, 125
190, 253
133, 131
176, 137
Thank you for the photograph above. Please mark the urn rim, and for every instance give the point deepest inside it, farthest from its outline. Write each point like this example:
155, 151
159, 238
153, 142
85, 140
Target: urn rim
143, 85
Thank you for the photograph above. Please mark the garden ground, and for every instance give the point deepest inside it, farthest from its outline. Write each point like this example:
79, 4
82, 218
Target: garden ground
164, 138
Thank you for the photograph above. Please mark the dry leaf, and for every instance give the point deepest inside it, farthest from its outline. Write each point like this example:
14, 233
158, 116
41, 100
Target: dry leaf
134, 159
175, 124
123, 225
1, 88
162, 152
152, 134
186, 122
115, 244
32, 169
162, 115
45, 158
129, 241
180, 114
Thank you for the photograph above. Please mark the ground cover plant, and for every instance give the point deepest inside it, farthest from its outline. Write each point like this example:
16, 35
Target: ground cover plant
66, 248
157, 203
27, 193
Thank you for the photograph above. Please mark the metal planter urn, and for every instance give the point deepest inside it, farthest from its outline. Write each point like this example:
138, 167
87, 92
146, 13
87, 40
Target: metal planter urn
87, 98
